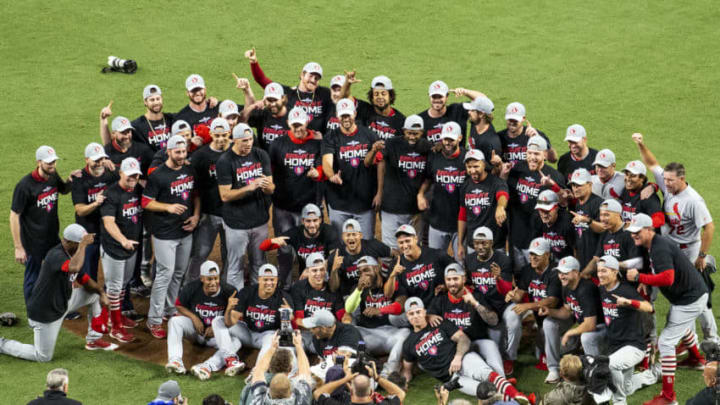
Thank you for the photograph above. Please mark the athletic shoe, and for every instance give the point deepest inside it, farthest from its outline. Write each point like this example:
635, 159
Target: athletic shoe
542, 363
121, 335
681, 350
201, 372
552, 378
512, 380
157, 331
8, 319
100, 345
692, 363
233, 366
140, 291
508, 367
71, 316
525, 399
128, 323
133, 315
660, 400
175, 367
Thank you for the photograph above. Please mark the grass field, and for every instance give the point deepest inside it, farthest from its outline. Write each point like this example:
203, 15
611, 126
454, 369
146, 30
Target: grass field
616, 67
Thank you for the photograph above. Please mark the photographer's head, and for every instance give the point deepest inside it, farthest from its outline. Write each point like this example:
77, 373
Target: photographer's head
321, 324
361, 389
280, 387
57, 380
169, 391
487, 393
281, 362
571, 368
710, 373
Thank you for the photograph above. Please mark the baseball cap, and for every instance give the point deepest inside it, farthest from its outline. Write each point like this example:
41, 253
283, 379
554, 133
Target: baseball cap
74, 233
297, 116
351, 225
120, 124
209, 268
406, 229
413, 302
483, 233
568, 264
179, 126
383, 81
241, 131
547, 200
46, 154
310, 209
95, 151
580, 177
611, 205
228, 108
338, 80
366, 261
636, 167
485, 390
151, 89
313, 67
482, 104
575, 133
345, 106
219, 125
438, 87
537, 143
314, 259
454, 268
267, 270
274, 90
515, 111
414, 122
194, 81
168, 391
321, 318
609, 261
176, 141
639, 221
604, 158
451, 130
474, 154
130, 166
539, 246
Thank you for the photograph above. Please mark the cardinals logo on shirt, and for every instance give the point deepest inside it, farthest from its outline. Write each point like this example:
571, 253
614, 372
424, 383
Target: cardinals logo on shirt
353, 152
183, 186
46, 200
429, 343
450, 178
433, 350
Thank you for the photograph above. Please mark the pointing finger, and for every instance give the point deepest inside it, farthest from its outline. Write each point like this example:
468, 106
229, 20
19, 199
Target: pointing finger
233, 294
235, 76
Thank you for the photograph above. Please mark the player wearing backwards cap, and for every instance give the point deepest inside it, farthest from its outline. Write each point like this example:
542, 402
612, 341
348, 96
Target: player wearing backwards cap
120, 235
621, 309
204, 162
245, 182
153, 127
120, 144
526, 180
683, 287
200, 301
174, 205
34, 222
377, 113
483, 198
348, 165
446, 170
607, 182
553, 223
55, 294
632, 203
308, 95
580, 304
331, 338
441, 112
585, 208
269, 117
344, 272
482, 133
516, 136
372, 311
199, 111
442, 351
580, 156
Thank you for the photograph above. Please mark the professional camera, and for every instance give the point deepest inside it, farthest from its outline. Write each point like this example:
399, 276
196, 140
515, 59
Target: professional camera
362, 360
116, 64
286, 330
450, 385
712, 353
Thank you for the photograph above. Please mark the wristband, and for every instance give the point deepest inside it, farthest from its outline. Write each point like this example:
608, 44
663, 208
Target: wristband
635, 304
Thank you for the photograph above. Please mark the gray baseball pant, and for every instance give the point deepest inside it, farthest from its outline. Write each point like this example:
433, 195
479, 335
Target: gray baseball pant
622, 367
391, 222
365, 218
180, 327
172, 257
282, 221
680, 318
231, 339
491, 354
595, 343
203, 242
440, 240
386, 339
553, 329
509, 331
117, 272
239, 242
45, 334
707, 319
474, 370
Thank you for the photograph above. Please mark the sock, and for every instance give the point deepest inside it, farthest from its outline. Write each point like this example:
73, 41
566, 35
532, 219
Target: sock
668, 376
116, 317
690, 341
503, 385
646, 360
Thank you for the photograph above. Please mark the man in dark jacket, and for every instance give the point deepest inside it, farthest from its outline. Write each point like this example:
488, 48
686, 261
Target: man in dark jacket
57, 388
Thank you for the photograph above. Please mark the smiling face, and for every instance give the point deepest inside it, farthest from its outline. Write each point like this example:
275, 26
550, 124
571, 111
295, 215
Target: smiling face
581, 191
300, 131
483, 247
380, 98
643, 237
568, 278
347, 121
455, 284
535, 159
154, 103
95, 166
514, 126
211, 284
449, 146
577, 148
609, 219
605, 173
312, 226
673, 182
412, 135
129, 182
607, 276
274, 105
336, 93
316, 275
267, 285
437, 102
539, 262
123, 138
309, 81
220, 140
196, 95
548, 217
406, 243
634, 182
178, 155
475, 169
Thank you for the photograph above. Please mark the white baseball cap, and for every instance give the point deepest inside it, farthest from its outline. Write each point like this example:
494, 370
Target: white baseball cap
483, 233
610, 262
575, 133
383, 81
580, 176
320, 318
313, 67
537, 143
414, 122
414, 302
406, 229
274, 90
474, 154
451, 130
242, 131
130, 166
636, 167
345, 106
351, 225
515, 111
194, 81
639, 221
366, 261
150, 90
46, 154
338, 80
120, 124
547, 200
539, 246
604, 158
568, 264
310, 210
94, 151
209, 268
267, 270
454, 268
438, 87
611, 205
219, 125
74, 233
175, 142
482, 104
314, 259
298, 116
228, 108
179, 126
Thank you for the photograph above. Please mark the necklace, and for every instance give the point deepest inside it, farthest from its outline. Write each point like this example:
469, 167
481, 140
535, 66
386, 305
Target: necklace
151, 127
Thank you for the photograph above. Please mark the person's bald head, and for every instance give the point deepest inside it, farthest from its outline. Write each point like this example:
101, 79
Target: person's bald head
710, 373
280, 386
362, 386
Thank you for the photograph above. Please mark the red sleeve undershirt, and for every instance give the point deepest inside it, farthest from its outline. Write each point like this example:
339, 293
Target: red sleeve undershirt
658, 219
339, 314
268, 245
84, 279
663, 279
462, 214
259, 75
392, 309
555, 188
145, 201
503, 286
502, 193
321, 177
65, 266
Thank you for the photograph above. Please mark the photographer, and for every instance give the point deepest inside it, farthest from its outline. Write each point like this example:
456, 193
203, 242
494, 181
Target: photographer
361, 389
708, 394
571, 390
169, 394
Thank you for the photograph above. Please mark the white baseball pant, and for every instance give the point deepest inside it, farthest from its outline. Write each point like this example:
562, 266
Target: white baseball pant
365, 218
680, 318
172, 257
180, 327
508, 333
707, 319
491, 354
239, 242
230, 340
554, 329
595, 343
622, 367
474, 370
204, 236
385, 339
117, 275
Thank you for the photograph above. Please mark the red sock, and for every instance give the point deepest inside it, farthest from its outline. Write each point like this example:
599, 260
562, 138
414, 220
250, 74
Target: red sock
503, 385
668, 376
116, 317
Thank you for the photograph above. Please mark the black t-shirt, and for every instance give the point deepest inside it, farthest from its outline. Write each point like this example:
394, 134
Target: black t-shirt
462, 314
619, 245
238, 171
269, 128
140, 151
567, 164
195, 119
561, 234
205, 307
326, 399
421, 276
385, 128
375, 298
480, 201
586, 240
36, 200
623, 323
448, 174
688, 285
433, 348
316, 104
125, 207
487, 142
345, 336
359, 182
348, 272
514, 148
481, 278
154, 133
584, 300
324, 242
259, 314
204, 162
404, 174
433, 126
524, 187
632, 204
85, 190
307, 299
704, 397
291, 162
540, 286
51, 293
170, 187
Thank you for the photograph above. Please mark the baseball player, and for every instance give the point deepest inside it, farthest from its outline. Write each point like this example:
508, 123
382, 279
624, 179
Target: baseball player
377, 113
442, 351
554, 223
54, 294
230, 111
153, 127
635, 180
245, 182
34, 222
182, 128
579, 156
200, 301
607, 182
516, 136
270, 116
440, 112
585, 210
348, 165
174, 206
683, 287
337, 83
199, 111
121, 144
330, 337
483, 136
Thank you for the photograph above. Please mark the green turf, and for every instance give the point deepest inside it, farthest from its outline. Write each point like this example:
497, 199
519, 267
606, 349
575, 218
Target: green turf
616, 67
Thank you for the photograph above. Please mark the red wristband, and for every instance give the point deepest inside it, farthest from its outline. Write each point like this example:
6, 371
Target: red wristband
635, 304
